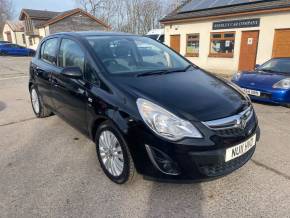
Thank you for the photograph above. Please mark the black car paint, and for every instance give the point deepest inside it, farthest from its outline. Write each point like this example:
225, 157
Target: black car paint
194, 95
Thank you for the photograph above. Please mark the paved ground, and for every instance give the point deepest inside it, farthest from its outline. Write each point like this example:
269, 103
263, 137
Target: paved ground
49, 169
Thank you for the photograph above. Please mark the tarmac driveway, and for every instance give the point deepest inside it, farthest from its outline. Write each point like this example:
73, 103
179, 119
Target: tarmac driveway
49, 169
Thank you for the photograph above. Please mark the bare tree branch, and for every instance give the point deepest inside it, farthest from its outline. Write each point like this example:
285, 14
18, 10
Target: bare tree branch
134, 16
6, 12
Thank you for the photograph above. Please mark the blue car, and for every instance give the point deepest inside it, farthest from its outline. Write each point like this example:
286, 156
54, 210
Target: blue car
14, 49
269, 83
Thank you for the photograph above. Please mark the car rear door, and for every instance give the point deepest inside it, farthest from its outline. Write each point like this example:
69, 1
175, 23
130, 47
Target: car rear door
69, 94
44, 66
10, 50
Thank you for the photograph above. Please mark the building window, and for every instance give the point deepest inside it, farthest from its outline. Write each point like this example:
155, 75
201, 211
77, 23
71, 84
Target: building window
23, 39
30, 41
222, 44
192, 45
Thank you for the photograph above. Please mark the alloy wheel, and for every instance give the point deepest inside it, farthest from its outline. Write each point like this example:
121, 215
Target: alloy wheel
111, 153
35, 101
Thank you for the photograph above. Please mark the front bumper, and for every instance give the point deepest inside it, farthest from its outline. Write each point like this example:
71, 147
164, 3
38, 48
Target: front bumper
194, 159
268, 94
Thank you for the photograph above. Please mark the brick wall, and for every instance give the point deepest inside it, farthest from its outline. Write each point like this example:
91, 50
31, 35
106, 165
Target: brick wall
76, 22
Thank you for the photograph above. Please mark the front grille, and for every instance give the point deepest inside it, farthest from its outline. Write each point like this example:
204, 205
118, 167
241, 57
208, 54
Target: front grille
241, 124
234, 132
230, 132
222, 168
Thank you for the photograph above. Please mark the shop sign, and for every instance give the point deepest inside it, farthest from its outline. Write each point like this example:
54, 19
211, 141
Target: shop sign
233, 24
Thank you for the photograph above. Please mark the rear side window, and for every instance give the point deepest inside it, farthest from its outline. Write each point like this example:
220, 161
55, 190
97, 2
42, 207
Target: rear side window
71, 54
48, 51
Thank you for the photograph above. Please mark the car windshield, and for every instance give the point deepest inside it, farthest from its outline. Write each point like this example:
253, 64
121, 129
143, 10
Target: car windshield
276, 66
134, 54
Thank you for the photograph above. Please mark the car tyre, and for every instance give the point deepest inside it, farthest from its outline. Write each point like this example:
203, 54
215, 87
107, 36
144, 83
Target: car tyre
109, 142
2, 53
39, 109
31, 53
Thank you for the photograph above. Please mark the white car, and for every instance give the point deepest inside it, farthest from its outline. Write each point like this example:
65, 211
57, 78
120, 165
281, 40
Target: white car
157, 34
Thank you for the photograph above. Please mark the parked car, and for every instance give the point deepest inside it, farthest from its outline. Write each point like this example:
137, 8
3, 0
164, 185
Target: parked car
156, 34
14, 49
269, 82
168, 120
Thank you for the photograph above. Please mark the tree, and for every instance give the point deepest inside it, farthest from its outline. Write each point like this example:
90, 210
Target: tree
6, 12
134, 16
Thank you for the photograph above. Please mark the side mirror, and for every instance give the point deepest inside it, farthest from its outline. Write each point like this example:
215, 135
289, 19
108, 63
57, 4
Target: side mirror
257, 66
72, 72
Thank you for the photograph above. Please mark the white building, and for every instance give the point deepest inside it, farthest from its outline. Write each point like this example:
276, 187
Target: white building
36, 24
14, 32
228, 37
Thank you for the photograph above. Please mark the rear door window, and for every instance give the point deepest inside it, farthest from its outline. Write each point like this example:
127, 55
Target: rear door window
48, 51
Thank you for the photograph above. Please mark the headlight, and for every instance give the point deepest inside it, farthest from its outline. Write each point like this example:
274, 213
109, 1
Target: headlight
283, 84
164, 123
237, 76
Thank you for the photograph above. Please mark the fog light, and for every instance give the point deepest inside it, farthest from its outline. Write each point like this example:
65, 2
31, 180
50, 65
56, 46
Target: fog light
162, 161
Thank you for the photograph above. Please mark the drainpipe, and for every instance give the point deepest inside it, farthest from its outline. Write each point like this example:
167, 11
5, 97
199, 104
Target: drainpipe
15, 37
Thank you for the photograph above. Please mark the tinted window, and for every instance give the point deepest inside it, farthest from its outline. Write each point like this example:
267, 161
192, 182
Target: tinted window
16, 46
277, 65
71, 54
90, 73
133, 54
48, 51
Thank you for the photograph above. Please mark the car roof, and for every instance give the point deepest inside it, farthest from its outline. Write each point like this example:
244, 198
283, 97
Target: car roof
93, 33
281, 58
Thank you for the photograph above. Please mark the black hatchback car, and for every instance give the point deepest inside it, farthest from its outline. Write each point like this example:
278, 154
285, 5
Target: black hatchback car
148, 109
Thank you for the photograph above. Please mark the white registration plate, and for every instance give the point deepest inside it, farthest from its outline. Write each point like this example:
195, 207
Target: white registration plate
239, 150
252, 92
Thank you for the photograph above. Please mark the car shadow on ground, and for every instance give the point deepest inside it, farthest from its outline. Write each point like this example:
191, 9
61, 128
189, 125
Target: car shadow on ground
2, 105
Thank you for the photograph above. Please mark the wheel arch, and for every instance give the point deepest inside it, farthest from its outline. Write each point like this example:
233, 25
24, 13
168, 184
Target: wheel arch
114, 117
30, 84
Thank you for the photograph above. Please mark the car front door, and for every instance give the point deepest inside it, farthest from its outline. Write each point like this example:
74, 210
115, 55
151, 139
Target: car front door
22, 51
17, 50
69, 94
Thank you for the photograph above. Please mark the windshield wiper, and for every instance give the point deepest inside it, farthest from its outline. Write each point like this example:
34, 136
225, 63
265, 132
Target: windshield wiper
268, 70
160, 72
154, 72
180, 70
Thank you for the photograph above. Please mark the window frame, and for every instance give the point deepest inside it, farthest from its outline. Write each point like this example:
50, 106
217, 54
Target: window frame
194, 54
56, 52
30, 41
87, 60
222, 38
23, 38
81, 47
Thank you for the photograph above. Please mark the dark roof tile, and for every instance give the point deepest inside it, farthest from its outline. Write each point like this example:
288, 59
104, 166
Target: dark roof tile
264, 5
38, 14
